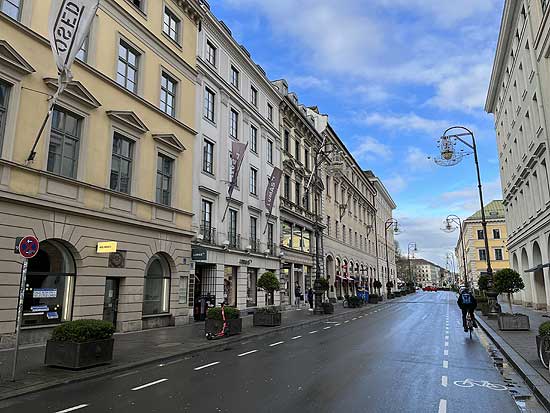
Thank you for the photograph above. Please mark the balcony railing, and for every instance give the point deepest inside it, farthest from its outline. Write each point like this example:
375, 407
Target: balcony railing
208, 234
234, 241
255, 245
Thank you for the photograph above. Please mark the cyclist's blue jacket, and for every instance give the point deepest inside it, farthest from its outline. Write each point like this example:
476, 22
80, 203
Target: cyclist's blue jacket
466, 300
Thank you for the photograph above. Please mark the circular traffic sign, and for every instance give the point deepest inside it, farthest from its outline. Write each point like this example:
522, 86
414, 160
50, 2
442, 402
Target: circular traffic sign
28, 247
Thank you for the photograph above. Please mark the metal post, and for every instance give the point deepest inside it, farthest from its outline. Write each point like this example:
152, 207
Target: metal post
19, 315
318, 309
387, 258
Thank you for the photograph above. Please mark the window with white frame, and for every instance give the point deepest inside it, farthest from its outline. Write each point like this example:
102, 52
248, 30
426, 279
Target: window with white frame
12, 8
235, 77
498, 254
165, 166
254, 96
171, 25
168, 88
482, 255
121, 164
234, 124
4, 100
208, 157
140, 4
232, 230
128, 66
270, 151
211, 53
209, 105
253, 181
254, 139
64, 143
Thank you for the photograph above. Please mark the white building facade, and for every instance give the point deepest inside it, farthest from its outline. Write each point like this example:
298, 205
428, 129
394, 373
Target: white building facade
239, 104
519, 98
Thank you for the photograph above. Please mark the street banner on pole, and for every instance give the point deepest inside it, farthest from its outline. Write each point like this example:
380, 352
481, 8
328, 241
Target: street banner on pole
69, 25
271, 191
238, 150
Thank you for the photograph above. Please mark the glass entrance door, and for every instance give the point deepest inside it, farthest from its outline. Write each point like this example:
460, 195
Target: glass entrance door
110, 302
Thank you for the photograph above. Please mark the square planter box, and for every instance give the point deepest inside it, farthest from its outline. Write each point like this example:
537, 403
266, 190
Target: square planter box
79, 355
214, 326
517, 322
267, 320
543, 349
328, 308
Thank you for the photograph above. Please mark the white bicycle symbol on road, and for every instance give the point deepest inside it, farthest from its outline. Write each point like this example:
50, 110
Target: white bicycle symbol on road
480, 383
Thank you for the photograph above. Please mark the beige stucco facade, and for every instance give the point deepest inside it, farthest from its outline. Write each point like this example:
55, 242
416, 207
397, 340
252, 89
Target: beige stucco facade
71, 212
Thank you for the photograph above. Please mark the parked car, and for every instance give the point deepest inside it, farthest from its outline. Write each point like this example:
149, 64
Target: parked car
430, 288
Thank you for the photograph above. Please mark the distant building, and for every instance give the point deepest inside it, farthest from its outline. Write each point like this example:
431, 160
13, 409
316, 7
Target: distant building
519, 99
474, 242
425, 272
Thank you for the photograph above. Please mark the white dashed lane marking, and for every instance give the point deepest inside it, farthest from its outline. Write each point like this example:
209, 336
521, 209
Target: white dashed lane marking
72, 409
444, 381
206, 366
247, 353
445, 364
150, 384
276, 344
443, 406
313, 332
296, 338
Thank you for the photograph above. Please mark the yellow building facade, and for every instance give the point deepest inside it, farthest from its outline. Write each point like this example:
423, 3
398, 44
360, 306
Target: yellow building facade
114, 163
474, 243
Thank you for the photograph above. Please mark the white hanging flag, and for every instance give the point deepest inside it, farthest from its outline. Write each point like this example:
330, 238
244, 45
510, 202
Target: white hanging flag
70, 22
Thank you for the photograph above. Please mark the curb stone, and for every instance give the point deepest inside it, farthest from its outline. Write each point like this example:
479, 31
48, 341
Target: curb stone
207, 347
537, 383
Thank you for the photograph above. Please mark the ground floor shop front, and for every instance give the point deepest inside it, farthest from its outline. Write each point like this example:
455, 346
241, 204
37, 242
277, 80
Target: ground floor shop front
143, 283
230, 277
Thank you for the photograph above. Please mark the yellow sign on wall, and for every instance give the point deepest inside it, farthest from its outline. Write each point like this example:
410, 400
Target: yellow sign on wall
106, 247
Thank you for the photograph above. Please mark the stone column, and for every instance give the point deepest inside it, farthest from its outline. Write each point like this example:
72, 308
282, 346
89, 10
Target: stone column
242, 277
546, 276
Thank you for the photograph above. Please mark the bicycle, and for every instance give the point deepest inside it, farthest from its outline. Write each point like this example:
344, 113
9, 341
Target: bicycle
469, 324
481, 383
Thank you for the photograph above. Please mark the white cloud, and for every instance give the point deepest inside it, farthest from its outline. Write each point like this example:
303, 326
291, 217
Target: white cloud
408, 122
417, 159
395, 184
308, 82
370, 148
465, 201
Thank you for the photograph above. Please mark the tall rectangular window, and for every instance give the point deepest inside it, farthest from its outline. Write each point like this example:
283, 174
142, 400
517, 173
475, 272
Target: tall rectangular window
165, 166
482, 255
498, 254
270, 151
254, 96
269, 112
171, 25
297, 194
128, 66
168, 87
306, 201
286, 187
254, 233
209, 105
82, 54
211, 51
208, 157
286, 142
253, 181
496, 233
306, 158
337, 230
12, 8
232, 233
328, 225
234, 124
235, 77
344, 233
297, 150
270, 238
4, 98
64, 143
206, 214
254, 139
480, 234
121, 163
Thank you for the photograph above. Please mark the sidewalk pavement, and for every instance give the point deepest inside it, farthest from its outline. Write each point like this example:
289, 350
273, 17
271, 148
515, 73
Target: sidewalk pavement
520, 348
138, 348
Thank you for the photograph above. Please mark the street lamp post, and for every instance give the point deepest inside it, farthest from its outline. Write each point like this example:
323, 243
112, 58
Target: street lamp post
392, 222
449, 157
448, 228
451, 258
411, 247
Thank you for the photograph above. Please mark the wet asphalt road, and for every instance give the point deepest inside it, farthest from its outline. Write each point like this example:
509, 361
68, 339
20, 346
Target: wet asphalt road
399, 357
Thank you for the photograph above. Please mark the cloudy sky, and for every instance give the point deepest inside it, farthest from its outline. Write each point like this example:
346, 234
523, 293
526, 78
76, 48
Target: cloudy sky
392, 75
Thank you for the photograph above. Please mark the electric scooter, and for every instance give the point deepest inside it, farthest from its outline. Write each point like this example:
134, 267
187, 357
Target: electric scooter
224, 332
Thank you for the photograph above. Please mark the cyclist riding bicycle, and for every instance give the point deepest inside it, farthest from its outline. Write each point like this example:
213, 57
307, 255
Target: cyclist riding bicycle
467, 303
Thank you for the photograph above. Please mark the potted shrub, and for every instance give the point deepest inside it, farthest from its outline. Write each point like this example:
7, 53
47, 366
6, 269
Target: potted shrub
482, 305
80, 344
508, 281
214, 320
389, 286
355, 302
269, 283
543, 343
373, 298
267, 317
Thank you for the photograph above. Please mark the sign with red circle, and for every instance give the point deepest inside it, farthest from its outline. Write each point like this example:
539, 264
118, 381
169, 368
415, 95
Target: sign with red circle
28, 247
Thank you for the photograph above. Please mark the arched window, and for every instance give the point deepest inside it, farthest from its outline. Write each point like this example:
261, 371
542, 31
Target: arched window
156, 290
49, 286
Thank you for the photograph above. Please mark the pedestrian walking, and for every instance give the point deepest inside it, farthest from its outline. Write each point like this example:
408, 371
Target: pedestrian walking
310, 299
297, 294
